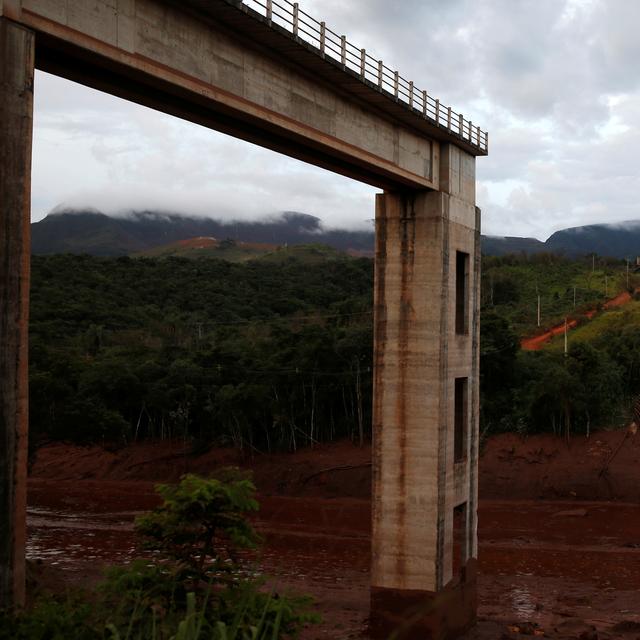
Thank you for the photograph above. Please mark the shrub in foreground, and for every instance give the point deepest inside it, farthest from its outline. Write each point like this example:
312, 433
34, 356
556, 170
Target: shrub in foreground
194, 587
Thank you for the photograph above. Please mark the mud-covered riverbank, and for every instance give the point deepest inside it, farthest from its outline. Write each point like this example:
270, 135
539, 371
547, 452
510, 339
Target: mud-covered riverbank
605, 466
567, 567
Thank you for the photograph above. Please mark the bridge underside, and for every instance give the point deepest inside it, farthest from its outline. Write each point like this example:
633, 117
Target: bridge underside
212, 63
238, 83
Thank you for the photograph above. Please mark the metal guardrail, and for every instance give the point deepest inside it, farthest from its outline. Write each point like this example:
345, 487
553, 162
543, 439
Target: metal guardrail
375, 73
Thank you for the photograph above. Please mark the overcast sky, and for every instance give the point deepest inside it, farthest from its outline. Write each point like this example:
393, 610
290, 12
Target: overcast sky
555, 82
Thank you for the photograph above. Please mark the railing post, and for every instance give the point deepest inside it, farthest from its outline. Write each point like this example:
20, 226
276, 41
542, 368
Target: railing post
295, 18
481, 137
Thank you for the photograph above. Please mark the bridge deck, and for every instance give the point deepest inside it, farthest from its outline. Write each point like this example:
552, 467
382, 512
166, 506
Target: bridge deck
376, 88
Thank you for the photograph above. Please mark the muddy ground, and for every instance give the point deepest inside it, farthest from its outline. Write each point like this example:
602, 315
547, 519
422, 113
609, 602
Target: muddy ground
559, 527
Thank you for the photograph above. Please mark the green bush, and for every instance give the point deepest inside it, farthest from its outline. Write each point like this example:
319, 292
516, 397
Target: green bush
192, 588
67, 618
201, 522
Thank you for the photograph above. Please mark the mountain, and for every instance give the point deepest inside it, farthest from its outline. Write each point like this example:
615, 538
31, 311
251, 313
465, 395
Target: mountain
209, 247
615, 240
621, 240
500, 246
93, 232
153, 233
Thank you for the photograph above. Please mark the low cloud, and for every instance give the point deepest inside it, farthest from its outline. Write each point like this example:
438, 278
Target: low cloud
554, 82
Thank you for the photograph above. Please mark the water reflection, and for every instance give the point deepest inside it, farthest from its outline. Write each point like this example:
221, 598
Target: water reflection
522, 602
71, 540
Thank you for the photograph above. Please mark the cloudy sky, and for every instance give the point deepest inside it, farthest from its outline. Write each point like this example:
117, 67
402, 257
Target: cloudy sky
555, 82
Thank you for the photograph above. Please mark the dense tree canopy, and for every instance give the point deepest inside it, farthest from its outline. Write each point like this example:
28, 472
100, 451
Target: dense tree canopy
276, 354
260, 354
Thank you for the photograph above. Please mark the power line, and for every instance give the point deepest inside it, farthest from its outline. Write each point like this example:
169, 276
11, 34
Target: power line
286, 318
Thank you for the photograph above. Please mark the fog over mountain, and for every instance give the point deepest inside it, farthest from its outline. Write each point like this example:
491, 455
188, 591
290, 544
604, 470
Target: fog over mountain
619, 240
91, 231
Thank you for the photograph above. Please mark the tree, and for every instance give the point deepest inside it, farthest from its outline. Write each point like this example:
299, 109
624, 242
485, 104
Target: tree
499, 374
201, 522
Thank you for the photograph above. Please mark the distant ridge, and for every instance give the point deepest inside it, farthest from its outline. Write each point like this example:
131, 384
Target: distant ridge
93, 232
621, 240
499, 246
616, 240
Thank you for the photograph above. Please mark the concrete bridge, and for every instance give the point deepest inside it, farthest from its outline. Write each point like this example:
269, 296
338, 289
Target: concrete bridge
266, 72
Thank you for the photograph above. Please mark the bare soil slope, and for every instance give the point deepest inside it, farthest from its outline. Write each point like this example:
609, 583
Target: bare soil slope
605, 466
567, 568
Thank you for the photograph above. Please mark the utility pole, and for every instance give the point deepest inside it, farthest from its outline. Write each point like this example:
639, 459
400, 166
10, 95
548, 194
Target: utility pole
606, 286
627, 274
574, 296
593, 263
538, 309
491, 289
565, 336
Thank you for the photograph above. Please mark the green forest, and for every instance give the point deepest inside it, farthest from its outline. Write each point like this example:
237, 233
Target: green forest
275, 353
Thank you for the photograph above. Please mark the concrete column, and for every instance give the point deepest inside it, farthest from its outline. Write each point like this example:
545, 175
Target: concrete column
16, 116
426, 374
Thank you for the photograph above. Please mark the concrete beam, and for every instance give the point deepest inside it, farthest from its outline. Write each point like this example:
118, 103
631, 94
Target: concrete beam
16, 118
161, 55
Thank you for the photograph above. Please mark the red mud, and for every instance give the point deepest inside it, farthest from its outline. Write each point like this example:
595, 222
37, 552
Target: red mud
569, 567
536, 343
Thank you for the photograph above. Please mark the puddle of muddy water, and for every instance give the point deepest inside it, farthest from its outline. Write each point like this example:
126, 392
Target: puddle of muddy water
522, 602
532, 567
79, 541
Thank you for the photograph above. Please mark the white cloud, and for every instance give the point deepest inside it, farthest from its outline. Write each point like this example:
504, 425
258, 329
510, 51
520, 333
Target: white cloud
554, 81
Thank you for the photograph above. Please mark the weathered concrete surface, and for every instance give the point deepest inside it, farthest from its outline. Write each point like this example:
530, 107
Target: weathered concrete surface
216, 67
16, 112
423, 615
417, 357
160, 54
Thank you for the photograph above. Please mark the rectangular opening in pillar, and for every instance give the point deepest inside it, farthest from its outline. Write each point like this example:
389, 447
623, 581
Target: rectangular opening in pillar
459, 539
461, 419
462, 293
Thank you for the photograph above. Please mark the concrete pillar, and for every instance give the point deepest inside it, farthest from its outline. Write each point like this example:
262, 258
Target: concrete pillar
425, 430
16, 115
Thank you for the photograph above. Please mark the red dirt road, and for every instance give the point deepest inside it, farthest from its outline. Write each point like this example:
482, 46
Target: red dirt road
535, 343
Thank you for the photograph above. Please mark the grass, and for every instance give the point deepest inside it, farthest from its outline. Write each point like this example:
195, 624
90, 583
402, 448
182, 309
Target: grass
256, 616
196, 248
610, 320
232, 251
516, 285
192, 589
306, 253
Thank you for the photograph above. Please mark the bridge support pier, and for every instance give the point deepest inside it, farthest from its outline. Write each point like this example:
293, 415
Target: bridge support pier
16, 119
425, 414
